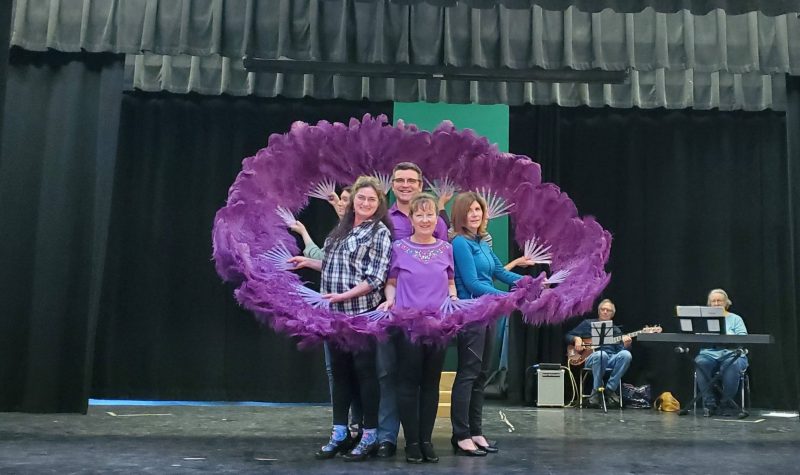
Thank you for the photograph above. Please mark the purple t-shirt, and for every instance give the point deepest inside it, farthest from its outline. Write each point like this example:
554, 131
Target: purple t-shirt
402, 225
423, 272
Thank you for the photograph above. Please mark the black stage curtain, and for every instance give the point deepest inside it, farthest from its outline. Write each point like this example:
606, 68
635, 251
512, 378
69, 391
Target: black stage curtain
694, 200
58, 152
793, 177
169, 328
108, 289
5, 33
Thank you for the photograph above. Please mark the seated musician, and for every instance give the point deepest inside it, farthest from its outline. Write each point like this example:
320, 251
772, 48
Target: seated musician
614, 356
709, 361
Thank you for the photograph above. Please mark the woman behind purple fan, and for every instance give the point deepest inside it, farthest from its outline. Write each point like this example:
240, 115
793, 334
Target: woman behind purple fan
353, 273
420, 279
476, 268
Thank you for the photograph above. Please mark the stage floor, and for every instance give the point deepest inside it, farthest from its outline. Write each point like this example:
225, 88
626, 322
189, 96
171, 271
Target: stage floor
230, 439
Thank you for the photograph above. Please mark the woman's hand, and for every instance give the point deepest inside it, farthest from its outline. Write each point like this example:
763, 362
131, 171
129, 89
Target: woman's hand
335, 298
301, 262
523, 262
444, 199
386, 305
333, 199
298, 228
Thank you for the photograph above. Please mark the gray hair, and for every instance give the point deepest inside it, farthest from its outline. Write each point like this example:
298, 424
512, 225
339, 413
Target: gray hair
606, 301
728, 302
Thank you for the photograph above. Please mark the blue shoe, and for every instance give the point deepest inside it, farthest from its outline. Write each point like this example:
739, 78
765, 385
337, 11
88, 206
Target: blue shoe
333, 447
361, 451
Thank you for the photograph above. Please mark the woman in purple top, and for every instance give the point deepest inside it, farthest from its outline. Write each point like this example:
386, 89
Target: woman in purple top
420, 278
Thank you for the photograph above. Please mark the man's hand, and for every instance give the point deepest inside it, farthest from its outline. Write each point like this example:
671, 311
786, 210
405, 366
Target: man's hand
385, 306
626, 341
578, 343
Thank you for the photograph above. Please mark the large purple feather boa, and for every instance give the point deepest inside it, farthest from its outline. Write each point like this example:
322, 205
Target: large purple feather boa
293, 163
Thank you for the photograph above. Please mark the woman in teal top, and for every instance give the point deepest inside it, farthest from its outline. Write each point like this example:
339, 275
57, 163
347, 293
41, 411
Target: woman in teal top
476, 267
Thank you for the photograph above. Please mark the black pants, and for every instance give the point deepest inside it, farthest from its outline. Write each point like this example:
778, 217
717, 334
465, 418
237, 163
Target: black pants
419, 369
355, 370
475, 345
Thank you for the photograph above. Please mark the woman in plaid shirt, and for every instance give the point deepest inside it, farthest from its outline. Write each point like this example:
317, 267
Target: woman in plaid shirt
354, 271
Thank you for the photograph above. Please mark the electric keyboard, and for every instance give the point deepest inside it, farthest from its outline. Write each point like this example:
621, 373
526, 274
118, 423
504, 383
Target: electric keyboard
750, 339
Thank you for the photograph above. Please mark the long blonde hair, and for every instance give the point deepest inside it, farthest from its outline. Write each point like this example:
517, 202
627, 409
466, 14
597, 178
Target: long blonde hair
461, 205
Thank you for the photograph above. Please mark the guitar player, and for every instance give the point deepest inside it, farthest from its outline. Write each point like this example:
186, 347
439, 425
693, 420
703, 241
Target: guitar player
615, 356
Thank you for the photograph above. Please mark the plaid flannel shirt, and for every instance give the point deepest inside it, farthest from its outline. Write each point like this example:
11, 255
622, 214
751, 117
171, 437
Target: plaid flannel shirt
362, 255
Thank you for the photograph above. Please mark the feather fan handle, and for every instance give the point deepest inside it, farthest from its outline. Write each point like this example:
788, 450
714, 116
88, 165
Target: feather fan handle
442, 187
279, 256
385, 179
311, 297
558, 277
323, 190
496, 206
449, 305
286, 215
375, 315
538, 252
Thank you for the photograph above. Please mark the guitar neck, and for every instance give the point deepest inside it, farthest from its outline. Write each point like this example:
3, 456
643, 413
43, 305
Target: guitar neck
616, 339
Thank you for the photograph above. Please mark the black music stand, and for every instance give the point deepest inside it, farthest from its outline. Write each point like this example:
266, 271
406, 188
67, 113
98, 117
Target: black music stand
601, 330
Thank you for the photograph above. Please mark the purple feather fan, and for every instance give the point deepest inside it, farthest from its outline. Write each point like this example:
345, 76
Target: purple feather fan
250, 238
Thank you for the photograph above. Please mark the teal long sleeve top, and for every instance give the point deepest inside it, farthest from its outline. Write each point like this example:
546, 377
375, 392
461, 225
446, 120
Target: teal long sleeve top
476, 268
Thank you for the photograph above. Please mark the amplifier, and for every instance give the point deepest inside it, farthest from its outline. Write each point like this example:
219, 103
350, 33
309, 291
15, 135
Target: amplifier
550, 384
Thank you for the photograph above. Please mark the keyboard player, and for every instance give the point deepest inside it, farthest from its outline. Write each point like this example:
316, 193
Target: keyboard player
709, 361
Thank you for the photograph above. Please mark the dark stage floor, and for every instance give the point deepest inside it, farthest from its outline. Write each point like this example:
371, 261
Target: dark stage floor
229, 439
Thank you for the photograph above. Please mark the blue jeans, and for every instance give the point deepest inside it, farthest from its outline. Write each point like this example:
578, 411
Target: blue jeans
706, 366
388, 416
599, 361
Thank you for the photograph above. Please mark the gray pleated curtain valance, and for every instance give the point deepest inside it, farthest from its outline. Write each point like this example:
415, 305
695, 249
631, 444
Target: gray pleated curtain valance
678, 59
697, 7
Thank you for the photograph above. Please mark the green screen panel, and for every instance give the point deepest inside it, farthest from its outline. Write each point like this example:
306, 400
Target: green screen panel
490, 121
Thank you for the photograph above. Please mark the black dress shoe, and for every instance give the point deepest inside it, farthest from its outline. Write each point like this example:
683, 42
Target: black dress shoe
489, 449
413, 453
427, 452
329, 450
386, 449
466, 452
364, 452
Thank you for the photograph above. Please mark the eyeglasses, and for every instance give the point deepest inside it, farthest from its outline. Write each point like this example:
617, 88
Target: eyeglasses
362, 199
406, 181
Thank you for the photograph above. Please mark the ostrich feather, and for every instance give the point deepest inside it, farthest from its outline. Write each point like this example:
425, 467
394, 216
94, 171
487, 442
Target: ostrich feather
251, 242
